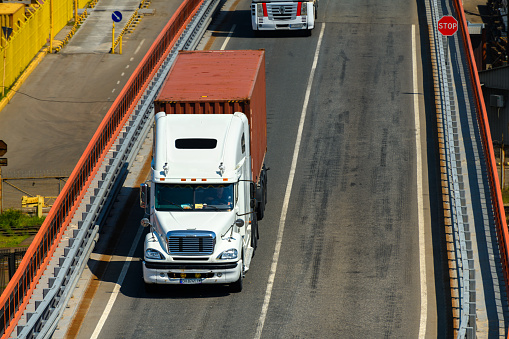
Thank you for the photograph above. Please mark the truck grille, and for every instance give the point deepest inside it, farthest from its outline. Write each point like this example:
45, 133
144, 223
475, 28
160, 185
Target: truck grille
191, 242
282, 12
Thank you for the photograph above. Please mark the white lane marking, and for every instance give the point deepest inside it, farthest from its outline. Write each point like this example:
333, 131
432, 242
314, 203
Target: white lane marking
228, 38
122, 74
116, 289
282, 220
118, 82
420, 204
139, 46
113, 90
127, 66
131, 59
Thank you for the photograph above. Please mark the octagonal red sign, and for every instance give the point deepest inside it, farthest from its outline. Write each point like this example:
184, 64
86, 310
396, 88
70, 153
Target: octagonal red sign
447, 25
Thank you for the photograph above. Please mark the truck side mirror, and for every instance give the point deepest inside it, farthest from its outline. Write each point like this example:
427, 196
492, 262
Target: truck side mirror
145, 222
144, 196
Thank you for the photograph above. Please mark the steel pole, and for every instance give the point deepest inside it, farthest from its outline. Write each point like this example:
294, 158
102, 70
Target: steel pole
113, 39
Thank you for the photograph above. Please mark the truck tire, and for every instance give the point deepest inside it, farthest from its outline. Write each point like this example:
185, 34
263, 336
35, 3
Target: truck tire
265, 176
261, 196
260, 208
254, 234
236, 287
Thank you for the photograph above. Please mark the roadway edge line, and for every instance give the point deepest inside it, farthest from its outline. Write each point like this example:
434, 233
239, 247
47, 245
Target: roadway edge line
420, 203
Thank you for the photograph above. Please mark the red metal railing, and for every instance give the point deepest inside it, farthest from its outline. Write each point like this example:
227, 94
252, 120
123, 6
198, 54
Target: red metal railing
17, 293
496, 194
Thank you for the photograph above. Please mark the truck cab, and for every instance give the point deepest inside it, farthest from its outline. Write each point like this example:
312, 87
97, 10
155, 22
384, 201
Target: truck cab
271, 15
199, 202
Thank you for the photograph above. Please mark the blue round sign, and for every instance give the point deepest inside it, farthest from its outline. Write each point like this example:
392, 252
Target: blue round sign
116, 16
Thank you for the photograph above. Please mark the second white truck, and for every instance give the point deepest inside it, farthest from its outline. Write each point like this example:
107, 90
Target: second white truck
272, 15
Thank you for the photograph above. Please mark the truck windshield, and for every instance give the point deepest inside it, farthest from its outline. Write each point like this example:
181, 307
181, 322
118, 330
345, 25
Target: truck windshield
173, 197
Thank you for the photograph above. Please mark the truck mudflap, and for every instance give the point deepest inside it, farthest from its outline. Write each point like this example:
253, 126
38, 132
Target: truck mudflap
182, 274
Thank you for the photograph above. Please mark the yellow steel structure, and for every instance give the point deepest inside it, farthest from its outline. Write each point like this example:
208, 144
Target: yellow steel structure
45, 20
36, 201
12, 17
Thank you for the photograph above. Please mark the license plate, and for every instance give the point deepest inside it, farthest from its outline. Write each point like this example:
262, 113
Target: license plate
191, 281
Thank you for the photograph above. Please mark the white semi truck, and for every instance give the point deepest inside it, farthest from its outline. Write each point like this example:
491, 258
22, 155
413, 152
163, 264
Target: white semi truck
271, 15
208, 184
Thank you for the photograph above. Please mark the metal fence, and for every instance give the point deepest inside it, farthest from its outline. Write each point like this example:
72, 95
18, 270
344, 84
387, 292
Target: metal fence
462, 267
10, 258
487, 144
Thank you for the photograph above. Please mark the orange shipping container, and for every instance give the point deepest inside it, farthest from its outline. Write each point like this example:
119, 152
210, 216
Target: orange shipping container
220, 82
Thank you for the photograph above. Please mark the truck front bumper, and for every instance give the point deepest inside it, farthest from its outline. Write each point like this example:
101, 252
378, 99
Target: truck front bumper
179, 274
265, 24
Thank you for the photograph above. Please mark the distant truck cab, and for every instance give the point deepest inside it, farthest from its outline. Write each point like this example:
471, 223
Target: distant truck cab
271, 15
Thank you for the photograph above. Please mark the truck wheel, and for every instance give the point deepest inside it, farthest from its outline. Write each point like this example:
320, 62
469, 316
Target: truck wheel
236, 287
261, 197
254, 234
260, 209
265, 183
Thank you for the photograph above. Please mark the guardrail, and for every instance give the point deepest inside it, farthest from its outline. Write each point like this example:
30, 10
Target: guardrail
487, 143
466, 328
455, 209
19, 290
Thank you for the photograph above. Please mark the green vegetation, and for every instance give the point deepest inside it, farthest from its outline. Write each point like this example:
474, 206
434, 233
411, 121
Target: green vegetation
16, 227
505, 195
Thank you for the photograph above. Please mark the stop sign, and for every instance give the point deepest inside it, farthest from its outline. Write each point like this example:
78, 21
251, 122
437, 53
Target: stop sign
447, 25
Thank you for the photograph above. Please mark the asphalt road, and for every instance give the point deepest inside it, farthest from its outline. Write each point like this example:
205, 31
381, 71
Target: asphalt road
353, 217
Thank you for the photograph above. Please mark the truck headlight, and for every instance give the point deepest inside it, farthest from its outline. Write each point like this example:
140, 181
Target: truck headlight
259, 10
228, 254
151, 253
304, 8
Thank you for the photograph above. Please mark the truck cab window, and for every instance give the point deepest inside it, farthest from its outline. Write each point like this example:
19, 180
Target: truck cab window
217, 197
174, 197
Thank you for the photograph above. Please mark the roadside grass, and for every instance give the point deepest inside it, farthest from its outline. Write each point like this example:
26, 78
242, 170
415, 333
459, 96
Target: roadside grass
505, 195
15, 227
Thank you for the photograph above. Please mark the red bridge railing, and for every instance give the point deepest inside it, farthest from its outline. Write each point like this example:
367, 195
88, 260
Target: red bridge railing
17, 293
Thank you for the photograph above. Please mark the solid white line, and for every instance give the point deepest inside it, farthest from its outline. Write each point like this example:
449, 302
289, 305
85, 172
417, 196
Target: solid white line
116, 289
420, 204
228, 38
282, 220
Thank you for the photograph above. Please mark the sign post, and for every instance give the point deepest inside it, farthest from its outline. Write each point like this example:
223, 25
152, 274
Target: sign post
116, 17
3, 162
